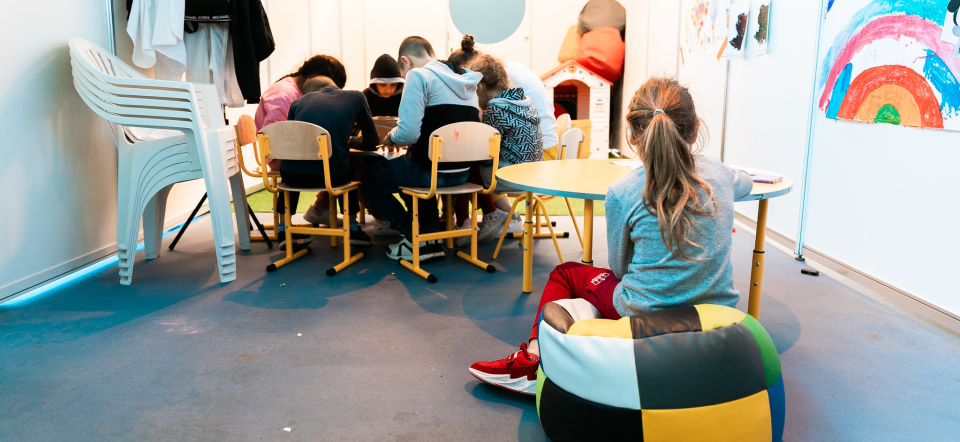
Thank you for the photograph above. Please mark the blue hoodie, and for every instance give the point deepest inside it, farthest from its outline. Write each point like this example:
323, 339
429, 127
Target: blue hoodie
434, 96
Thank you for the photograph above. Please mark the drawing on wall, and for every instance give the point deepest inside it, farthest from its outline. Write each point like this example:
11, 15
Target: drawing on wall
704, 26
887, 62
737, 30
951, 27
762, 22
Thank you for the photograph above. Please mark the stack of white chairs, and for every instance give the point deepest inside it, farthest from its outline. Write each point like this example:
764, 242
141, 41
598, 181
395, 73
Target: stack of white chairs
202, 147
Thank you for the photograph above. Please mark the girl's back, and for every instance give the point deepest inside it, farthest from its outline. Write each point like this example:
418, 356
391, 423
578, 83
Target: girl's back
652, 278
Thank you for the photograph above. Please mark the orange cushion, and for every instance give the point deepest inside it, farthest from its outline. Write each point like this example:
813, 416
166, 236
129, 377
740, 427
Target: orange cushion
571, 42
601, 51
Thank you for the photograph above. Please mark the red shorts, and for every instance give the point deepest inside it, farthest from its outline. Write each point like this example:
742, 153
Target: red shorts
574, 280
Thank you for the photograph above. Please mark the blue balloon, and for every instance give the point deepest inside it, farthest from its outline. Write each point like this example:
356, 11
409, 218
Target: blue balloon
488, 21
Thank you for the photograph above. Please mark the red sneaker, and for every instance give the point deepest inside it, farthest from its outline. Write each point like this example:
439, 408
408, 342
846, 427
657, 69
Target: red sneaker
518, 372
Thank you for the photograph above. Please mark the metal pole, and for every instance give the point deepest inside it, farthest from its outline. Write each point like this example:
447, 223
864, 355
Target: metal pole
723, 125
111, 38
811, 131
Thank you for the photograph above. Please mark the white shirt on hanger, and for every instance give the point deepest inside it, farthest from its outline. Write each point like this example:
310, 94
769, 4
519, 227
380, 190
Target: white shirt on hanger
210, 60
156, 28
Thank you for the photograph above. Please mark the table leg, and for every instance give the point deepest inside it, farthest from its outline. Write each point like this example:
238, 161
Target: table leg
756, 271
528, 244
588, 232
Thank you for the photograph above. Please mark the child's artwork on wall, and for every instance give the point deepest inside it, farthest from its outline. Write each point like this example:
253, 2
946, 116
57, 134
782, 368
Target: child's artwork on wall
704, 26
887, 62
737, 30
951, 26
760, 30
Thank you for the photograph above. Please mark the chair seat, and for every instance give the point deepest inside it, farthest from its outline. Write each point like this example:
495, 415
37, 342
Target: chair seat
287, 188
256, 171
452, 190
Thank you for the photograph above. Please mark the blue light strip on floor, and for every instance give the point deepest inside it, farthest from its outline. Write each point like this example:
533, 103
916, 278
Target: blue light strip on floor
78, 273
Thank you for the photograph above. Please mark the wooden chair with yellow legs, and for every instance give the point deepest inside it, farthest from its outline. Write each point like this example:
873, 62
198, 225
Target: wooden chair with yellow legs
458, 142
297, 140
570, 144
246, 131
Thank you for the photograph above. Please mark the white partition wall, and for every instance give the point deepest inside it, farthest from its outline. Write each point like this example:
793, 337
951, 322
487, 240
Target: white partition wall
768, 108
59, 169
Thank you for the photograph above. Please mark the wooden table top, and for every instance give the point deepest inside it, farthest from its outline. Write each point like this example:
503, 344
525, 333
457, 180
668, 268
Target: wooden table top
589, 179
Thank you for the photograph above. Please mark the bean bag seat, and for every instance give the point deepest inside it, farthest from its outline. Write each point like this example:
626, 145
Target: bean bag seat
599, 13
702, 373
571, 42
601, 51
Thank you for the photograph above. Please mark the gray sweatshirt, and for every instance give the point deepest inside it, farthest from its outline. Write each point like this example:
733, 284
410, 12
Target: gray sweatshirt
432, 85
650, 277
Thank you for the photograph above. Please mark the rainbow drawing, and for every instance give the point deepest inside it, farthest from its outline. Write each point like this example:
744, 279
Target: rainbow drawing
887, 63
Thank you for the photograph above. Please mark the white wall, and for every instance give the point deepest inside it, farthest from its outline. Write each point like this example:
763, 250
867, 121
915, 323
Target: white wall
59, 168
769, 107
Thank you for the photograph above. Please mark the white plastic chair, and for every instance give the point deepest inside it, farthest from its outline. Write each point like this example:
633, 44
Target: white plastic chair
147, 169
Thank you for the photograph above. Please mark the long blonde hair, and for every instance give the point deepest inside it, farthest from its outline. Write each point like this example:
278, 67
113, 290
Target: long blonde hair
662, 125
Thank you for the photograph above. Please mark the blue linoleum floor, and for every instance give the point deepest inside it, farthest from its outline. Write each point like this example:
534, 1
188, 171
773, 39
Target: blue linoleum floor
383, 354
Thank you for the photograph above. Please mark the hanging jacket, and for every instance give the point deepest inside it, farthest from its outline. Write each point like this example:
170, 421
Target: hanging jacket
252, 43
514, 116
384, 71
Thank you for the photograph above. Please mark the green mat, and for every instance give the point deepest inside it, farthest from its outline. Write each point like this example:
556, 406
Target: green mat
262, 202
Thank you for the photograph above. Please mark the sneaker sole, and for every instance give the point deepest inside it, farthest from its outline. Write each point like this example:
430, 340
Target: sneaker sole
520, 385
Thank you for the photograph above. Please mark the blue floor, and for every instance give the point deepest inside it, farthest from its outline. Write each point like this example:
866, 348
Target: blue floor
376, 353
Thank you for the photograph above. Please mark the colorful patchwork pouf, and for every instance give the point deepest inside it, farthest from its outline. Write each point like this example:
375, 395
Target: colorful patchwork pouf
703, 373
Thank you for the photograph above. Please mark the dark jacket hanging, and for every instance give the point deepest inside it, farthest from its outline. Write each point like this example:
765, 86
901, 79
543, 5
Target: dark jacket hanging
252, 43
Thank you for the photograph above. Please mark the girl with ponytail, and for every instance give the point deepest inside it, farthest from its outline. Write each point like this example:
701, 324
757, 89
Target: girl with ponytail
668, 229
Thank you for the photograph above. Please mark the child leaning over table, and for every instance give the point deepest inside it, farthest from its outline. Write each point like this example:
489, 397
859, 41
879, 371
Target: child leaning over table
386, 88
336, 110
512, 113
668, 230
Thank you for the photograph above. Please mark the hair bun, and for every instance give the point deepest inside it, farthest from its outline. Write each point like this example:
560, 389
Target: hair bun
467, 44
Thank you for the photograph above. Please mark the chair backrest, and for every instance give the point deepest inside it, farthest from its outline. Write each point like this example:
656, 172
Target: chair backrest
466, 141
570, 144
384, 125
563, 124
295, 140
246, 130
121, 95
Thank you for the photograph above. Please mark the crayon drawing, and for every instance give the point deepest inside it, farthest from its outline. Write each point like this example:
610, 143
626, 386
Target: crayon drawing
761, 29
704, 26
737, 30
887, 62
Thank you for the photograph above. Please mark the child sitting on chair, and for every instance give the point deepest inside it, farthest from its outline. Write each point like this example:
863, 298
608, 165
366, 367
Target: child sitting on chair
435, 94
336, 110
668, 230
512, 113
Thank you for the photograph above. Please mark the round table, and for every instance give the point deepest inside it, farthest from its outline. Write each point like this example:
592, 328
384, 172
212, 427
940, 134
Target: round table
589, 180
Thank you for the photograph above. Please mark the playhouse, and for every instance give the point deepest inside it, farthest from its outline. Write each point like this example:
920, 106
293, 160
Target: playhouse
585, 96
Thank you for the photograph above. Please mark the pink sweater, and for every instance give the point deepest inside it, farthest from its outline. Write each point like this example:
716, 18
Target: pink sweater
275, 102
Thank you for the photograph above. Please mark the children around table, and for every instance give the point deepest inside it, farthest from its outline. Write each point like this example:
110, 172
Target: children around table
668, 224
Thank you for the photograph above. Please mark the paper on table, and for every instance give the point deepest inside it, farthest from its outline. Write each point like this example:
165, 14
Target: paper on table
630, 164
759, 175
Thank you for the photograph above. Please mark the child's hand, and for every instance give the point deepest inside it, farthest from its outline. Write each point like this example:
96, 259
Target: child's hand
387, 142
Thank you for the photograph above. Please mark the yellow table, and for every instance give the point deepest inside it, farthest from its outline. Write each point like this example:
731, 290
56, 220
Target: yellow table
589, 180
